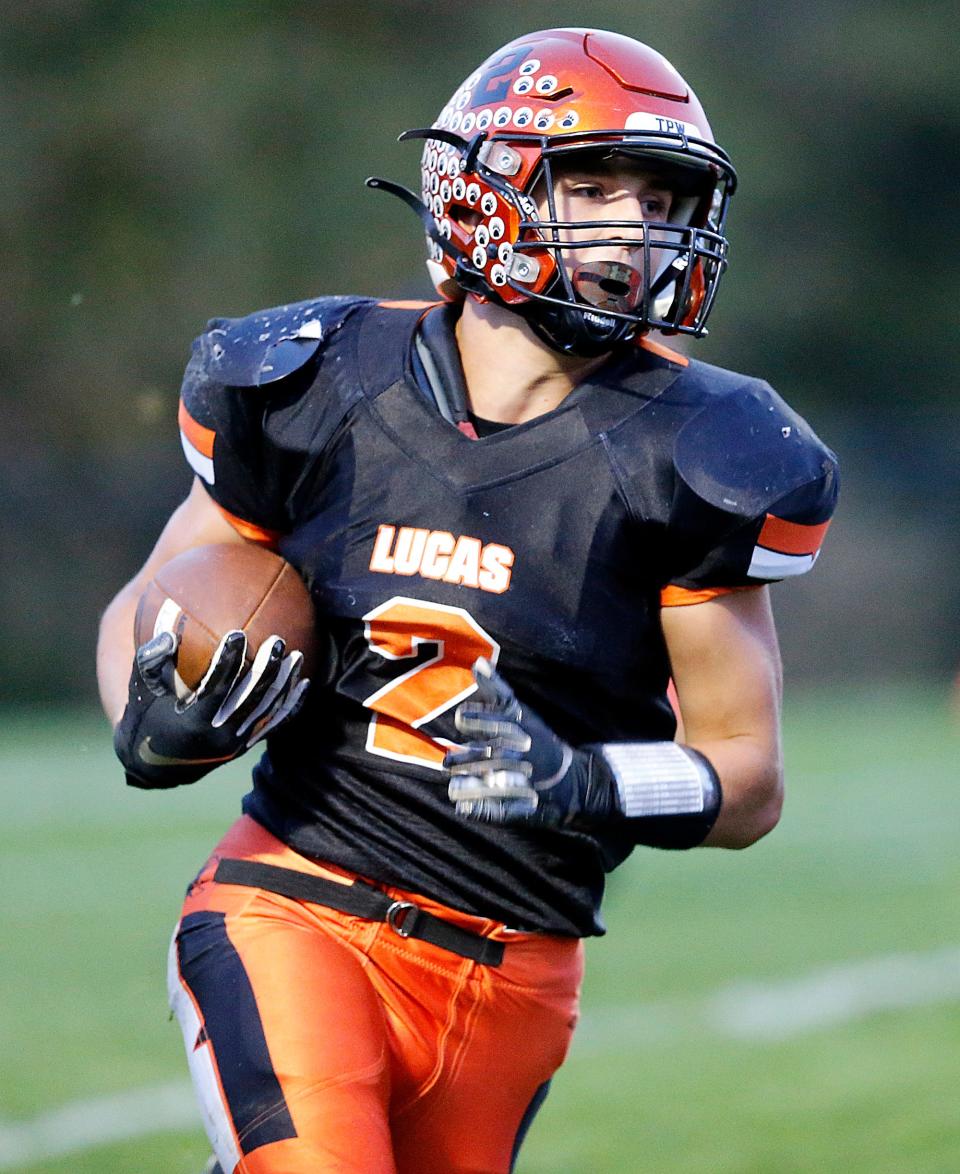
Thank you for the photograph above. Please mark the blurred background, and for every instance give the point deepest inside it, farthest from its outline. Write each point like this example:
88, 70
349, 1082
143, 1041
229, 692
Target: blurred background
170, 161
167, 162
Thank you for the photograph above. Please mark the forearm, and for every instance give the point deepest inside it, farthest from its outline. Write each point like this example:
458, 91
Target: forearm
751, 778
726, 667
196, 522
115, 650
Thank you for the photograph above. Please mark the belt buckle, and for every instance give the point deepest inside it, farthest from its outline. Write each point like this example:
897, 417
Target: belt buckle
398, 915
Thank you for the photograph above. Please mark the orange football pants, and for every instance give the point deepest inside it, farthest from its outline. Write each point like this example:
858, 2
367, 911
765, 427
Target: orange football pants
319, 1041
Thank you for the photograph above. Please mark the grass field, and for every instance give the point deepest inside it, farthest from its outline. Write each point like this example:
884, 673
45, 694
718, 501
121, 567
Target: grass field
675, 1070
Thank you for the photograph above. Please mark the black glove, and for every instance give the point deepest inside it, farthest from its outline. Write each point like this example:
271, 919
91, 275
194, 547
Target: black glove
166, 740
516, 770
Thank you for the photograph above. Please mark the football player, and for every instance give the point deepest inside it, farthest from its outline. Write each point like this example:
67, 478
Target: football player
520, 514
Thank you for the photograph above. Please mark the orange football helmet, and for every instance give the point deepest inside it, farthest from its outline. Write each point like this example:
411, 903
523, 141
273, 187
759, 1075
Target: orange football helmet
543, 98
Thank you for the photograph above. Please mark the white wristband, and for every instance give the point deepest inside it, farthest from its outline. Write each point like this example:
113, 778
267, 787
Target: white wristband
659, 778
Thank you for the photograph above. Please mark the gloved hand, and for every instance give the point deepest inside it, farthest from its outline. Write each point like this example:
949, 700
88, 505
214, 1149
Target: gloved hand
516, 769
166, 741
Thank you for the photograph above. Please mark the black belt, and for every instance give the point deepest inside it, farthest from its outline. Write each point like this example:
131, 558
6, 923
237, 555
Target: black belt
361, 900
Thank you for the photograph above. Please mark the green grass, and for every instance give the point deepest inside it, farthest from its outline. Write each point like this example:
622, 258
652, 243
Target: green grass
865, 863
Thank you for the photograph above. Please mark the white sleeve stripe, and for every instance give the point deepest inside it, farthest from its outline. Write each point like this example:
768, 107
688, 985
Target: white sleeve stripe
201, 465
771, 564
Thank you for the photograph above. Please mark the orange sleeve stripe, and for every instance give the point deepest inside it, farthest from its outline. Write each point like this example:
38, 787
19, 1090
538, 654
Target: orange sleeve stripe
672, 596
791, 537
249, 530
201, 438
665, 352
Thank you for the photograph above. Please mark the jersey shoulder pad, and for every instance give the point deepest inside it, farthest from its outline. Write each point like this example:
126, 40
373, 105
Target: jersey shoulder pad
269, 345
745, 450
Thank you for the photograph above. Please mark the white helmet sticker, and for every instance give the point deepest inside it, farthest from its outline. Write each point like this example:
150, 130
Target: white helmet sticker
641, 120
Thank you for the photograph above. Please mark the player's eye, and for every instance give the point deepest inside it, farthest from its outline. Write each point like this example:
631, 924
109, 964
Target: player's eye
655, 208
588, 191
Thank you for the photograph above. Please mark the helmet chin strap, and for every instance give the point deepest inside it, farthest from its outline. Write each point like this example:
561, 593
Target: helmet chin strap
581, 327
575, 329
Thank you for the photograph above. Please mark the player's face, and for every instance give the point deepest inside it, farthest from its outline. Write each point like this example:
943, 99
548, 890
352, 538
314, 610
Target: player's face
614, 189
609, 190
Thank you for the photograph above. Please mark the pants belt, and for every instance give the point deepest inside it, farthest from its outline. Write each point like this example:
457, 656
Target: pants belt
362, 900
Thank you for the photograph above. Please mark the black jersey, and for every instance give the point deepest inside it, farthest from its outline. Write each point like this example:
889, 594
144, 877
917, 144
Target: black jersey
548, 547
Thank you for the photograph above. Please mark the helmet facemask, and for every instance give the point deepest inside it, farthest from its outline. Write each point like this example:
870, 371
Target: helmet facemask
595, 302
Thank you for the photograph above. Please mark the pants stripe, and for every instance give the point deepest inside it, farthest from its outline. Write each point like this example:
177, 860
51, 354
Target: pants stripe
531, 1111
212, 971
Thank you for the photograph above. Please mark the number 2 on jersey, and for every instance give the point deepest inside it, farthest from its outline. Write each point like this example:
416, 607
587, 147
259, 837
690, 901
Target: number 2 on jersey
396, 630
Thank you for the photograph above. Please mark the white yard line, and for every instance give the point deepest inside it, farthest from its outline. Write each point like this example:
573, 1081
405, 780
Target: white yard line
836, 994
750, 1011
771, 1011
99, 1121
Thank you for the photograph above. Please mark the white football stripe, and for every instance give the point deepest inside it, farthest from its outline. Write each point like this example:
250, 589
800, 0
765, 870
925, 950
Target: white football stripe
201, 465
771, 564
167, 617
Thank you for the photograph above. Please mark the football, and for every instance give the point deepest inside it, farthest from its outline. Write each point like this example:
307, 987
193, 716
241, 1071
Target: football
206, 592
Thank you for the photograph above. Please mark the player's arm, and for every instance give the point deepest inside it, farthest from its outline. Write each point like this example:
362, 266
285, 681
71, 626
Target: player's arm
726, 668
163, 736
196, 522
723, 787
